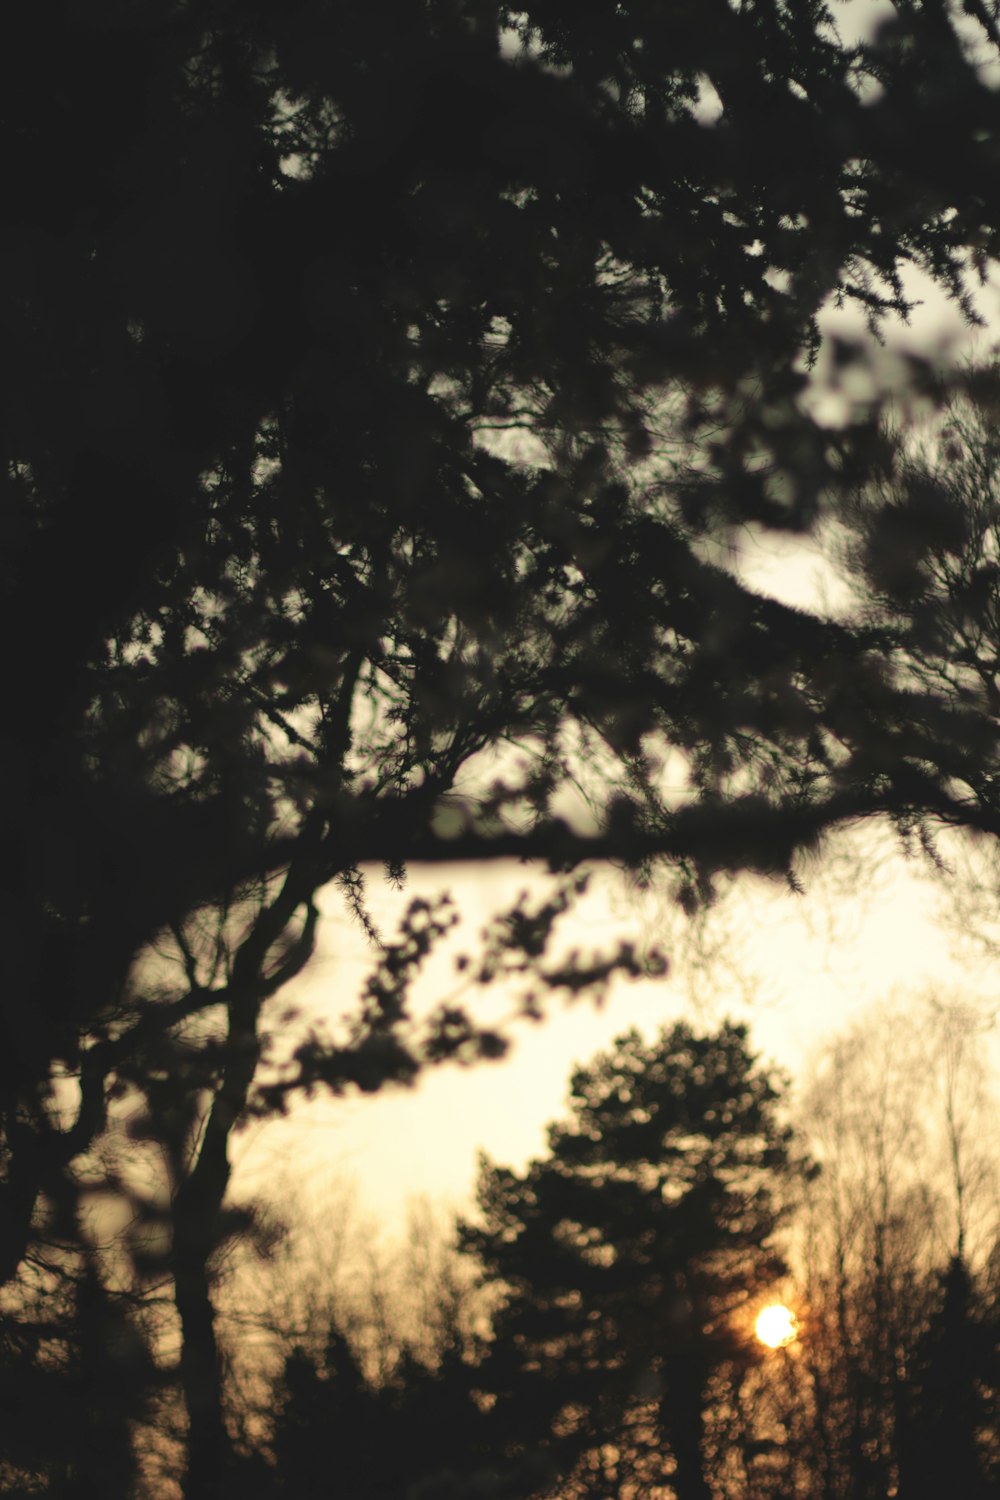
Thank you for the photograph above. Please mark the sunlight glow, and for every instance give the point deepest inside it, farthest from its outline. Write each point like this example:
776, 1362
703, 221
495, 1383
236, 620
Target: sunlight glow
777, 1326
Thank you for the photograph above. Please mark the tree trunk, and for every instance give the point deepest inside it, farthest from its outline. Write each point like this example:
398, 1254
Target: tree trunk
201, 1378
199, 1196
682, 1419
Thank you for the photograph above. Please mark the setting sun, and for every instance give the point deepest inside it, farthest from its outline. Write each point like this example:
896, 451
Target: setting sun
777, 1326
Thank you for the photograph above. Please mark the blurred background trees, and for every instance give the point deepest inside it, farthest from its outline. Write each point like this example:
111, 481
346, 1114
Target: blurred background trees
594, 1333
888, 1254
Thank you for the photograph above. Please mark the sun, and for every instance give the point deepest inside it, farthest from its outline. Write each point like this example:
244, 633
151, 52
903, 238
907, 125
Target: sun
777, 1326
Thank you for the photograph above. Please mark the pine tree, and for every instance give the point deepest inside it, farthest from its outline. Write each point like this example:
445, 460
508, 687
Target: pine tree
952, 1392
632, 1253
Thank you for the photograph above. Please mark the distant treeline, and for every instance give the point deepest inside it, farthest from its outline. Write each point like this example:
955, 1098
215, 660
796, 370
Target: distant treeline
589, 1332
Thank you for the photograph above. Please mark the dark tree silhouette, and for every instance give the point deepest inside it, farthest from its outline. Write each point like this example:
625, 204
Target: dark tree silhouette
631, 1256
418, 1434
953, 1391
890, 1388
283, 287
77, 1373
921, 544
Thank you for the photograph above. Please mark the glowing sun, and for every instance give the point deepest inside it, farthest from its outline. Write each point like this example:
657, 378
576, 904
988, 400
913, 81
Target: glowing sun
777, 1326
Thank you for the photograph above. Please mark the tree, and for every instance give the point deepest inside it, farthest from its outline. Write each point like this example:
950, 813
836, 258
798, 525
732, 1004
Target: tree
283, 283
883, 1256
418, 1433
920, 545
869, 1243
374, 1392
953, 1396
78, 1376
632, 1256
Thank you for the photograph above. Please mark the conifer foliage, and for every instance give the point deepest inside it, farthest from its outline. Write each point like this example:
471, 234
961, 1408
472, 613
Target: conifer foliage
631, 1256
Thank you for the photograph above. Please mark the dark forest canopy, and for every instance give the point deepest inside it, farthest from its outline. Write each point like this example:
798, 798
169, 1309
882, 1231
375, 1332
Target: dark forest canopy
284, 286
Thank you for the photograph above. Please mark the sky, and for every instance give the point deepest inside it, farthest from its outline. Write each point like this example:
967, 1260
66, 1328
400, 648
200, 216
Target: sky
798, 968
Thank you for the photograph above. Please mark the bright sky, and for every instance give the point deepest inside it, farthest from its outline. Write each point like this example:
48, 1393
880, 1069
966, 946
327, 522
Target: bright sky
797, 968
